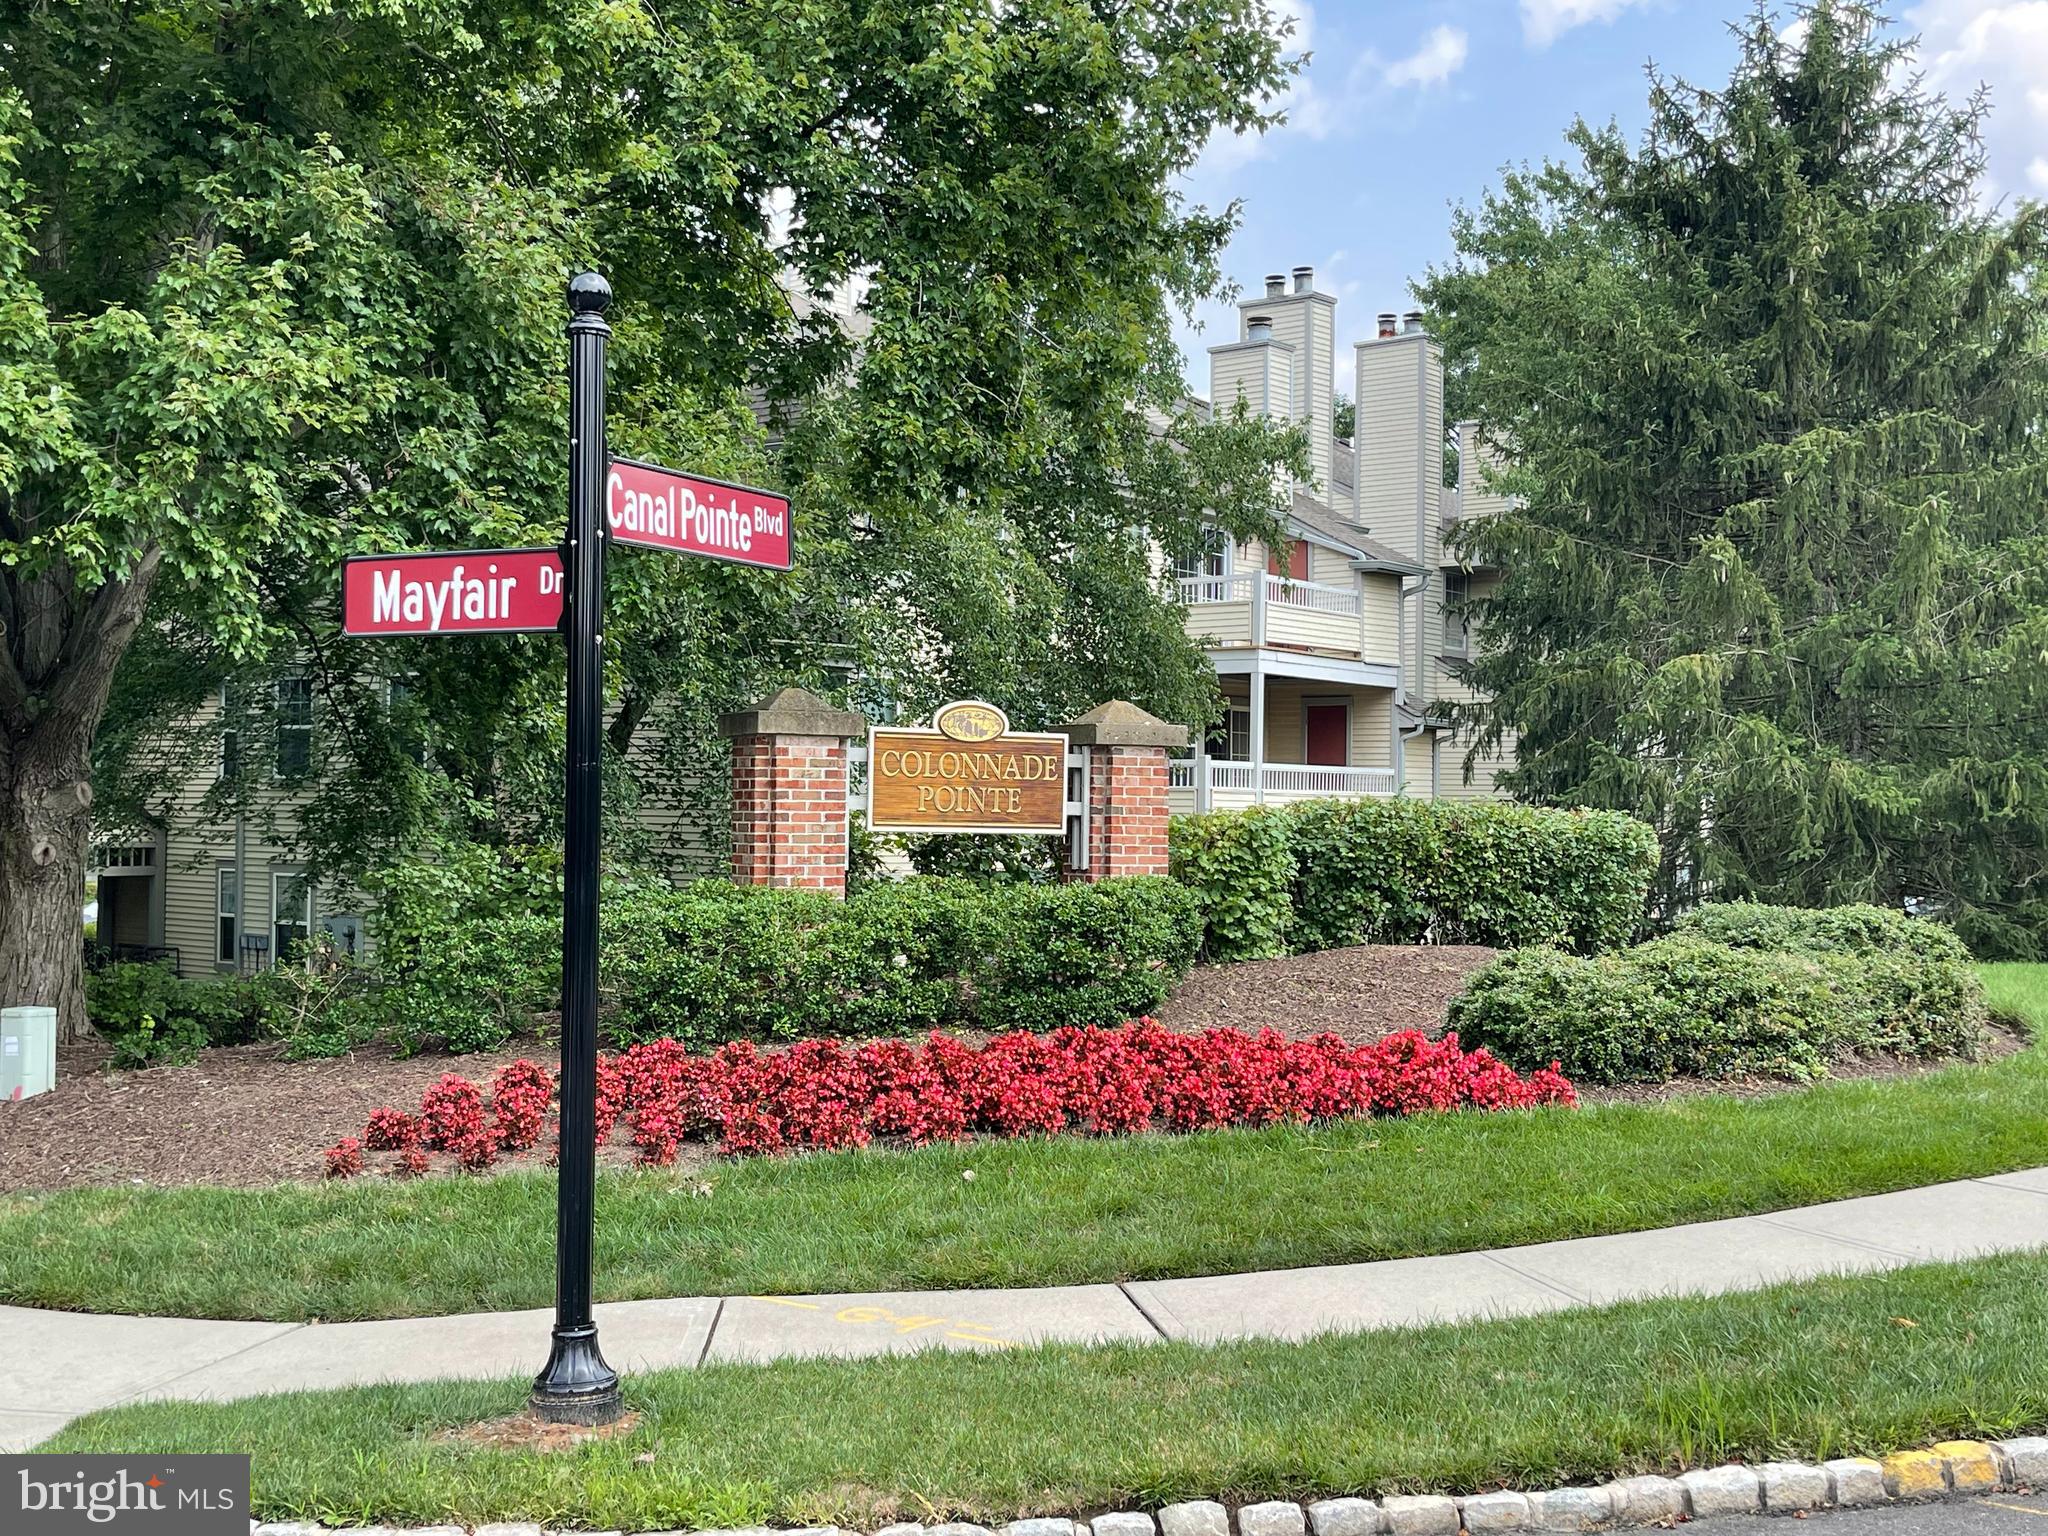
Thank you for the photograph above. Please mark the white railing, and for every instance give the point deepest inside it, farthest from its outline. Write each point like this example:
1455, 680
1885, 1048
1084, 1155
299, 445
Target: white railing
1283, 780
1197, 590
1310, 595
1315, 779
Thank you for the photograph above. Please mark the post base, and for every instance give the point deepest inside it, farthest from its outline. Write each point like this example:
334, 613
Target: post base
576, 1386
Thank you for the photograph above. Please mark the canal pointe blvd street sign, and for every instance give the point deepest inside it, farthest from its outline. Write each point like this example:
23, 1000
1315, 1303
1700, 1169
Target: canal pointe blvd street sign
452, 592
658, 508
922, 780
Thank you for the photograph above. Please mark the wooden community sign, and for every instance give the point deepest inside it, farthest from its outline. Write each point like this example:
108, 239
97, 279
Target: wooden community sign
966, 772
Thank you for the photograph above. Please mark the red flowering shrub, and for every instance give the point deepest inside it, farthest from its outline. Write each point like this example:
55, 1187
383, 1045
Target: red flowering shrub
452, 1112
412, 1162
1094, 1081
520, 1095
390, 1130
345, 1158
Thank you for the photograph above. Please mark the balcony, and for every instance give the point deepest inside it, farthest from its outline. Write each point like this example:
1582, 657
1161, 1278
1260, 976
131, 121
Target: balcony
1254, 608
1233, 784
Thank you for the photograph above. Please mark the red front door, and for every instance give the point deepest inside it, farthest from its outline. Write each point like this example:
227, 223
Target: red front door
1328, 728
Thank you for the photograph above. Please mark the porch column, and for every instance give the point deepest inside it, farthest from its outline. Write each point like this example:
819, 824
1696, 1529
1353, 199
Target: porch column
1127, 808
1203, 792
1258, 684
789, 791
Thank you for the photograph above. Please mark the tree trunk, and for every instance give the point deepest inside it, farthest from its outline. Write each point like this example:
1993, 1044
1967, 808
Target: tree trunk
56, 667
45, 832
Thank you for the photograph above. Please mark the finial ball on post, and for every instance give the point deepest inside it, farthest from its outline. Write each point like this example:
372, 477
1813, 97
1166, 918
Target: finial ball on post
589, 293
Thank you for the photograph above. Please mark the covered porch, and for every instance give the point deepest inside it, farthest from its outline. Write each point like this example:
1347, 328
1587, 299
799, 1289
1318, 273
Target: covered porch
1296, 727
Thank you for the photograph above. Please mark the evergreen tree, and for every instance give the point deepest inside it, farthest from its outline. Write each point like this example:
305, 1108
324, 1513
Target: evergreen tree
1771, 383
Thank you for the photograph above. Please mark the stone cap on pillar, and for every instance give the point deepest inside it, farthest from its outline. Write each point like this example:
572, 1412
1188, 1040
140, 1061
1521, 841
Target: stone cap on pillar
794, 712
1118, 724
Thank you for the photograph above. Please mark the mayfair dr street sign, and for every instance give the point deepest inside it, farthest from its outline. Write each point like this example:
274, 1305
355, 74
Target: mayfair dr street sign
969, 773
464, 592
660, 508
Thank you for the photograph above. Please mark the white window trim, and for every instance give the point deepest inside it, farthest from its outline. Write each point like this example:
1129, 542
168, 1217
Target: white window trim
223, 874
279, 877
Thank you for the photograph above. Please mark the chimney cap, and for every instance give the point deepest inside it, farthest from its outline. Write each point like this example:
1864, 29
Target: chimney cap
1304, 279
1259, 327
1388, 320
1412, 321
1276, 284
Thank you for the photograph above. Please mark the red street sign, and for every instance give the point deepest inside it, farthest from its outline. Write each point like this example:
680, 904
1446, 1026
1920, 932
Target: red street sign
658, 508
462, 592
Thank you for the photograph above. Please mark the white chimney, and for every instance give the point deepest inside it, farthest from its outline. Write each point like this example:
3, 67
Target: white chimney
1305, 323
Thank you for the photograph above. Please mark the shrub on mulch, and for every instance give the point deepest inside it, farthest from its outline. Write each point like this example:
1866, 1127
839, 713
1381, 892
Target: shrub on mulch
1091, 1081
1322, 874
1737, 990
714, 962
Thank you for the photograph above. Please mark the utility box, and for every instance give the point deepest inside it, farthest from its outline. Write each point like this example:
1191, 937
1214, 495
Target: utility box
28, 1052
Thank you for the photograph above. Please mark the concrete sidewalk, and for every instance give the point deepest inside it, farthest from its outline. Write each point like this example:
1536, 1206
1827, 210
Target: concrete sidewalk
60, 1364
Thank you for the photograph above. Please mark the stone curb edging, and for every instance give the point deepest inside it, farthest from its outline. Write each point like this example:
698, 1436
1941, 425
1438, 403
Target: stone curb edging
1954, 1467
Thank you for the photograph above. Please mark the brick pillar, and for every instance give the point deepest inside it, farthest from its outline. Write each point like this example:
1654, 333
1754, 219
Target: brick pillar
1126, 789
789, 791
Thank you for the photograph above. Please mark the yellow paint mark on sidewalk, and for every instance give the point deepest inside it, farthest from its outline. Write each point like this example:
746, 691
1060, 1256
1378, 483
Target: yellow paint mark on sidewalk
862, 1315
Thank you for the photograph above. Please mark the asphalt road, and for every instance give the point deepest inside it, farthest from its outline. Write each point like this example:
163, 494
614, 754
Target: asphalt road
2002, 1514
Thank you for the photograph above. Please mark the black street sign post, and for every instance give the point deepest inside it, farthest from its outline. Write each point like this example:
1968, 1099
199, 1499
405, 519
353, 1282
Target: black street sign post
516, 590
576, 1386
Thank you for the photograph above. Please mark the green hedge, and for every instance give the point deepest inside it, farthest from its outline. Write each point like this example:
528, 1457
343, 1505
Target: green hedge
714, 962
1737, 990
1318, 874
1240, 867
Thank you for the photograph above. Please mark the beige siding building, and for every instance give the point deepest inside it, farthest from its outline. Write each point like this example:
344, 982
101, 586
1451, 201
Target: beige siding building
1332, 652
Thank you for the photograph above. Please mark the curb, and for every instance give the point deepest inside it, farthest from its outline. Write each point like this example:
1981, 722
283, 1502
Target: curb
1954, 1468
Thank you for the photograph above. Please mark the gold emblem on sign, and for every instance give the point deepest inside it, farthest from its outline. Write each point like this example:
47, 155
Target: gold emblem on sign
971, 720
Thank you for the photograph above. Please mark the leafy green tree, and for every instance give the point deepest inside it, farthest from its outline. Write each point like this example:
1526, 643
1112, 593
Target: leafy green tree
1772, 385
281, 283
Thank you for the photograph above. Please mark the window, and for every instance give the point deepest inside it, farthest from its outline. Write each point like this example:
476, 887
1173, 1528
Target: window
1231, 740
224, 894
1457, 631
1209, 557
294, 726
291, 915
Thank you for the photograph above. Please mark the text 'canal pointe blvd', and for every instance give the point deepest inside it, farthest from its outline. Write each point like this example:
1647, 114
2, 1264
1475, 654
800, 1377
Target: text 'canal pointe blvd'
659, 508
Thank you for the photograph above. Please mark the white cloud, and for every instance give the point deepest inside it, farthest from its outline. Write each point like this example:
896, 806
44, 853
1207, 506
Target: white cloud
1316, 109
1441, 56
1545, 21
1965, 43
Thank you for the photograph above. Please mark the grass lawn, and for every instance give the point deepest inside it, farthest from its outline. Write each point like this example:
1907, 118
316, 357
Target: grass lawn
1037, 1212
1836, 1367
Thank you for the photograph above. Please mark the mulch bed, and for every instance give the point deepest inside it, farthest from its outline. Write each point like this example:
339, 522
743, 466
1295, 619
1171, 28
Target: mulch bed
240, 1115
244, 1116
1361, 994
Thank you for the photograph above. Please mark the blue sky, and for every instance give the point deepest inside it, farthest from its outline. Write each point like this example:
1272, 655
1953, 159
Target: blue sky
1408, 107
